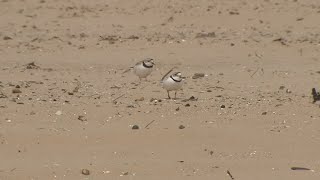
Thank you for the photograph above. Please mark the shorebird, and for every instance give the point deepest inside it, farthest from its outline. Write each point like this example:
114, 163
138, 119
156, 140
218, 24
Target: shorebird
144, 68
173, 83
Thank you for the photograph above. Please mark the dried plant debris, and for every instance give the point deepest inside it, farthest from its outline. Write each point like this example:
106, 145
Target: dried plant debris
192, 98
230, 175
32, 65
315, 95
300, 168
2, 95
206, 35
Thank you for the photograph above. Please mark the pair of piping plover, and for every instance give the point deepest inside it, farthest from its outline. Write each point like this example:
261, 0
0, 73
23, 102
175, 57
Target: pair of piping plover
170, 81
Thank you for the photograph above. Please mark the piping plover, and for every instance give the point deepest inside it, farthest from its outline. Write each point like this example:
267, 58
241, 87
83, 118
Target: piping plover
173, 83
144, 68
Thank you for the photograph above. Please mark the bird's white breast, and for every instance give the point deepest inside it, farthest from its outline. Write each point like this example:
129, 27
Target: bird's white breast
141, 71
171, 85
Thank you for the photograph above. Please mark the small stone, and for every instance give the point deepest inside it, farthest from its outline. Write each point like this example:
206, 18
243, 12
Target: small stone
178, 109
59, 113
70, 93
7, 38
17, 86
281, 87
288, 91
182, 127
82, 118
264, 113
140, 99
222, 106
135, 127
15, 91
198, 75
85, 172
187, 105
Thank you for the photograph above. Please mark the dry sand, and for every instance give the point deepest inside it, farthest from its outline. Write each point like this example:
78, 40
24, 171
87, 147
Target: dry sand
261, 58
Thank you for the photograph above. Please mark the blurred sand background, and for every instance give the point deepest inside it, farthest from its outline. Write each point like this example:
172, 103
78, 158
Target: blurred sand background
73, 109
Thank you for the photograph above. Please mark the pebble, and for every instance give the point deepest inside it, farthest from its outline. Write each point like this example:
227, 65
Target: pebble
222, 106
59, 113
85, 172
264, 113
82, 118
198, 75
140, 99
134, 127
182, 127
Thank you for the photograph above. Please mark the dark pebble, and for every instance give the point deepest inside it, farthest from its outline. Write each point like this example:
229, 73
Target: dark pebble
135, 127
264, 113
198, 75
70, 93
182, 127
82, 118
85, 172
17, 86
7, 38
15, 91
222, 106
187, 105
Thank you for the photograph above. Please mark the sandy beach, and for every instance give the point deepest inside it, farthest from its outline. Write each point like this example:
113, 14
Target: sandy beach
68, 110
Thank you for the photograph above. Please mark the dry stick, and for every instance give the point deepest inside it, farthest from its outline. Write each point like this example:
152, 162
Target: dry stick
150, 123
254, 72
300, 168
118, 98
258, 55
229, 173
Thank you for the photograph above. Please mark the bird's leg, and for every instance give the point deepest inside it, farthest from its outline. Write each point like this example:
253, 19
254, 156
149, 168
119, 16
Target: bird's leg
140, 80
168, 95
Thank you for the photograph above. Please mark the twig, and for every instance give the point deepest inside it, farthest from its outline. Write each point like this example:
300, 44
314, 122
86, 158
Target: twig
254, 72
300, 168
118, 98
150, 123
258, 55
229, 173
